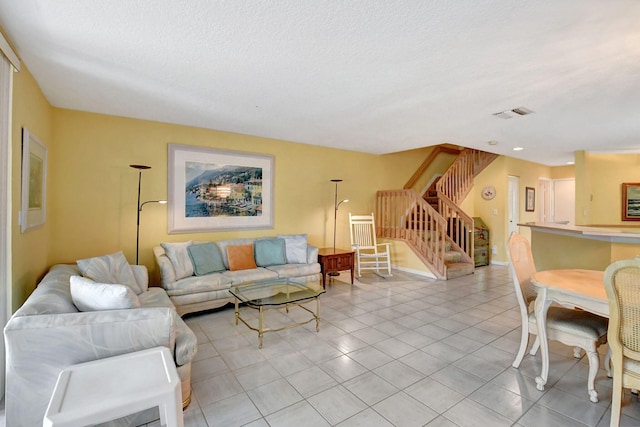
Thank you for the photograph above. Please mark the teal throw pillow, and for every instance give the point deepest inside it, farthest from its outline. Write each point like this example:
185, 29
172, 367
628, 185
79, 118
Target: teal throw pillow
206, 258
270, 252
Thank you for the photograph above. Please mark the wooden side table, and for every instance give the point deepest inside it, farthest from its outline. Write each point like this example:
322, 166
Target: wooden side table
335, 260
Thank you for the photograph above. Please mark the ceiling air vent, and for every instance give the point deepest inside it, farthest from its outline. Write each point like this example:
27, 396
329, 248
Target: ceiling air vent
507, 114
504, 114
522, 111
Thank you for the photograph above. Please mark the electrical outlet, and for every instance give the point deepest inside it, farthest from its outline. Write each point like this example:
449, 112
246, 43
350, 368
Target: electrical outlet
495, 211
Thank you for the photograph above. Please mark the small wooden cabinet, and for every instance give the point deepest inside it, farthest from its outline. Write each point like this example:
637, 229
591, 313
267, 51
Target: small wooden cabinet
335, 260
481, 242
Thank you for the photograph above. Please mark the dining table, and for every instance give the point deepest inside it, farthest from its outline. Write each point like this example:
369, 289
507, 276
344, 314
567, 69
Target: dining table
576, 288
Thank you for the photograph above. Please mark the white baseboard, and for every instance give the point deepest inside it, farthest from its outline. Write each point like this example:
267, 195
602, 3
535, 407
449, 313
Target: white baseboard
416, 272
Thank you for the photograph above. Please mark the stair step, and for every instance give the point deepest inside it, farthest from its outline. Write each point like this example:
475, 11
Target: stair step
459, 269
452, 257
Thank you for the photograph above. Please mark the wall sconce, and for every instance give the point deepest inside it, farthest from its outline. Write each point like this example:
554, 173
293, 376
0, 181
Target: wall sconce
336, 205
140, 206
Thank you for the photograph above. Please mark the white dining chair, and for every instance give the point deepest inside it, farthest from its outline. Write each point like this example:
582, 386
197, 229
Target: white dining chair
576, 328
622, 283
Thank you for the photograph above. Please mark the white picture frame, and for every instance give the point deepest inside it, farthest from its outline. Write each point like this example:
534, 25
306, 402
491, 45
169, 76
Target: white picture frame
33, 210
213, 190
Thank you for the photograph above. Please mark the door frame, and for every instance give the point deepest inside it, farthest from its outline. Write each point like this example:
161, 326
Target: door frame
513, 202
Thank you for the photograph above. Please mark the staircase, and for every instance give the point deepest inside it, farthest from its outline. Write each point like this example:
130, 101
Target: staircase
432, 224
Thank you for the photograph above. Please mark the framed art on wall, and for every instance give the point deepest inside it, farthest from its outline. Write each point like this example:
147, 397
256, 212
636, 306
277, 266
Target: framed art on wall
530, 199
211, 189
631, 201
34, 182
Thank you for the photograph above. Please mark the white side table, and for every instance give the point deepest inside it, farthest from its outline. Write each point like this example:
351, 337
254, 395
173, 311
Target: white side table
107, 389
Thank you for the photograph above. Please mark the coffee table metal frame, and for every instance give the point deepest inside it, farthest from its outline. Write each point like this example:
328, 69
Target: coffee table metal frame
275, 294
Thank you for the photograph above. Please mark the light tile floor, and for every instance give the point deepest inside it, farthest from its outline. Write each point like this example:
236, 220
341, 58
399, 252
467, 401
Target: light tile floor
402, 351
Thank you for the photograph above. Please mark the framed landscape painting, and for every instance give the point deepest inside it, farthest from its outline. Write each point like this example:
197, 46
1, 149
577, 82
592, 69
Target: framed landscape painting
211, 189
631, 201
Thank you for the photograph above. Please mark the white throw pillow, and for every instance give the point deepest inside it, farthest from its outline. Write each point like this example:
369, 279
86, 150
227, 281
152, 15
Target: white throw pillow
179, 257
112, 268
88, 295
295, 246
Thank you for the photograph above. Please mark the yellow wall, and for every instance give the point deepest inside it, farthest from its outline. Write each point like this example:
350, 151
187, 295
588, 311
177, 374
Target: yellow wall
91, 198
29, 251
599, 179
95, 190
496, 174
552, 251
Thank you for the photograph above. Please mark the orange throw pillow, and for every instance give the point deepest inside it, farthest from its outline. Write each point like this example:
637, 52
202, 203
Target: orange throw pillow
241, 257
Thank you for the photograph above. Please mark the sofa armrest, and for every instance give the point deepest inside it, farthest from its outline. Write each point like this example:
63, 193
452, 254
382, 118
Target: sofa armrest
39, 347
312, 254
167, 272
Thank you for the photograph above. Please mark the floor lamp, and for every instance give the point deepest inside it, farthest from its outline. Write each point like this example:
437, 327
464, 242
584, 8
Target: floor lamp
140, 169
336, 205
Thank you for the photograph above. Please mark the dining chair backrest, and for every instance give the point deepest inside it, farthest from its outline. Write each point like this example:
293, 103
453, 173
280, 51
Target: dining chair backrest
622, 283
522, 266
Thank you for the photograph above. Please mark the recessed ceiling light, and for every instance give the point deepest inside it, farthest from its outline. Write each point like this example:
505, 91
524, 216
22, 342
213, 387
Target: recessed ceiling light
518, 148
571, 163
493, 142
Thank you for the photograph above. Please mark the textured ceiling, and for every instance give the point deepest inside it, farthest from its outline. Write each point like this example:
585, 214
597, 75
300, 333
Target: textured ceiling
375, 76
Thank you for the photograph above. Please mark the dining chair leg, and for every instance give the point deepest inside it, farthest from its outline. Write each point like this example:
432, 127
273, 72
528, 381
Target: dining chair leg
535, 346
607, 363
524, 343
616, 400
594, 364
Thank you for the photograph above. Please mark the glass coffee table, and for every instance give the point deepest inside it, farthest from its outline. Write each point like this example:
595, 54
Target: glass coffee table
277, 293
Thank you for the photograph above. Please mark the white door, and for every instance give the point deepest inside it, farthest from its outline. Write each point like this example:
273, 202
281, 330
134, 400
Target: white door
564, 200
544, 207
514, 202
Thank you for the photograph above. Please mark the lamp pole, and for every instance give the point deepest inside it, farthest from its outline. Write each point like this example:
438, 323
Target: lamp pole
336, 205
139, 207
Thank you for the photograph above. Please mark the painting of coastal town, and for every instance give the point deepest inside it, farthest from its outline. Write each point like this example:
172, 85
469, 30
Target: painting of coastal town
631, 201
212, 189
222, 190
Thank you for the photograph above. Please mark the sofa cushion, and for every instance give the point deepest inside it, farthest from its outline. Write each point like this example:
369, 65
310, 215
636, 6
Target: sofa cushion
197, 284
112, 268
88, 295
177, 253
206, 258
241, 257
248, 276
270, 251
295, 270
295, 248
222, 245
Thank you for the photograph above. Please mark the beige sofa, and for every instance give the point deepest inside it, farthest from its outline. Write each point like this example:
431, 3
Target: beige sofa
192, 292
48, 333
